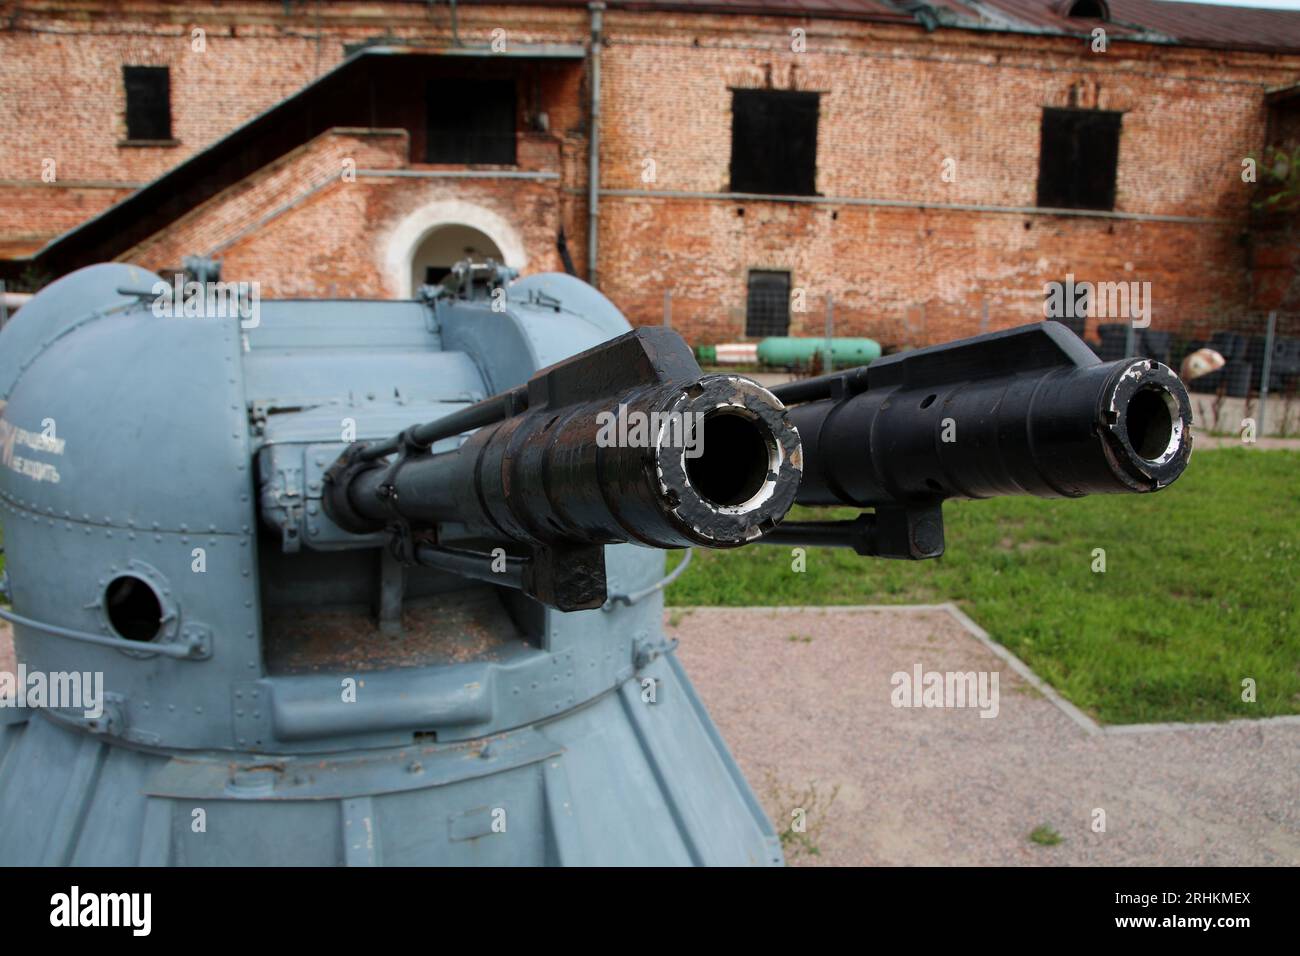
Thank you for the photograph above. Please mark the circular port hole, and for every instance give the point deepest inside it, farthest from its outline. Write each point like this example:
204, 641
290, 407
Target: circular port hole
735, 459
1150, 422
133, 608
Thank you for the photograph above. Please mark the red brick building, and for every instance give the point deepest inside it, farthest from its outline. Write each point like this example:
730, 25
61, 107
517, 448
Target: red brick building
929, 165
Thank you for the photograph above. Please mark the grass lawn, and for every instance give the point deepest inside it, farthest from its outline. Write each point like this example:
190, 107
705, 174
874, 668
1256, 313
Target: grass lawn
1199, 590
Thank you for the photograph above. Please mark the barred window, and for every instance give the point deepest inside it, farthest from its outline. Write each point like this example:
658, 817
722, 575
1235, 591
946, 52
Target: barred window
767, 309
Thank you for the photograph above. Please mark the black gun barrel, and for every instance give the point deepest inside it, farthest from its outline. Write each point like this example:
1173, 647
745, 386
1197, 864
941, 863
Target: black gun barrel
543, 476
1030, 411
628, 441
1026, 411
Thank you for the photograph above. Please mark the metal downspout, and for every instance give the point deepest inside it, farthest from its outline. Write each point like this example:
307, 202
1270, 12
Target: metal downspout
593, 166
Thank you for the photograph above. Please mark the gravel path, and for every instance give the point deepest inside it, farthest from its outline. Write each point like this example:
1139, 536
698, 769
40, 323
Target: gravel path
7, 662
803, 699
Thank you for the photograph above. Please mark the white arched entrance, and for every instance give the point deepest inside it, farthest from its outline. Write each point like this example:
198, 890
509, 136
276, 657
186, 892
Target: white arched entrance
440, 233
444, 247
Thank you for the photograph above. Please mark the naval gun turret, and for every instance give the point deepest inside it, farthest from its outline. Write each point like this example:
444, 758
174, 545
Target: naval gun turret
378, 582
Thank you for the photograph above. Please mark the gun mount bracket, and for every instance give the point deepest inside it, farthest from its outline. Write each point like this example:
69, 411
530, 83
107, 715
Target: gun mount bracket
905, 532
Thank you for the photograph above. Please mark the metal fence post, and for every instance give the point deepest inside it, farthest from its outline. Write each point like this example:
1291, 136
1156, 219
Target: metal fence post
1268, 369
984, 316
668, 308
1130, 339
829, 364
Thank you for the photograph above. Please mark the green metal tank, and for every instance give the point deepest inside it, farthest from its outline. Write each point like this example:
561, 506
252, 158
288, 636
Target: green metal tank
786, 350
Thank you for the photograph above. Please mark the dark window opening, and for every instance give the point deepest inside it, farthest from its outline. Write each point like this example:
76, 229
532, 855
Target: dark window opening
1088, 10
767, 310
1284, 123
148, 102
774, 142
1078, 157
476, 125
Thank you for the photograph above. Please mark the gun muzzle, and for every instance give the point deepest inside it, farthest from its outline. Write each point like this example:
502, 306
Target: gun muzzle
711, 463
1121, 426
1028, 411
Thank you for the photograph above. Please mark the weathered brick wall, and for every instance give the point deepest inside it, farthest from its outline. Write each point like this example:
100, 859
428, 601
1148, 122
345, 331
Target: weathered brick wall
903, 276
300, 229
1275, 266
30, 213
896, 103
61, 96
61, 69
225, 219
327, 247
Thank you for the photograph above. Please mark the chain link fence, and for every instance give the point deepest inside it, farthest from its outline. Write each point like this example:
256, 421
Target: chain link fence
1242, 369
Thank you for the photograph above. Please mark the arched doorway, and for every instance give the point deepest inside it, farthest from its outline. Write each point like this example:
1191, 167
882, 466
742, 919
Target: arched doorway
438, 233
445, 246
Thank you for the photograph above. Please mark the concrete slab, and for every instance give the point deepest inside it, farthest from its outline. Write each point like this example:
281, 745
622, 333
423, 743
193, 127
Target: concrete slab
803, 697
1202, 441
1226, 414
